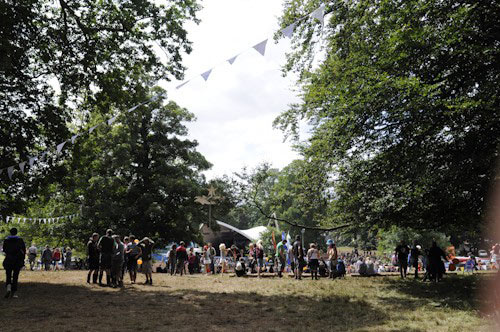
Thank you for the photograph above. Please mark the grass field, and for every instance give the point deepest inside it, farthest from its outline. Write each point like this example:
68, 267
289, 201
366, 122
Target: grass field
62, 301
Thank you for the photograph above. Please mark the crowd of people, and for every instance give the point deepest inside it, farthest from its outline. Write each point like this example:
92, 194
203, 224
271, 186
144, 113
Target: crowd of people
110, 256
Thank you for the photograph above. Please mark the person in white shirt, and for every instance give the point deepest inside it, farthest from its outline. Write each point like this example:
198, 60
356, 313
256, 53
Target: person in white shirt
32, 252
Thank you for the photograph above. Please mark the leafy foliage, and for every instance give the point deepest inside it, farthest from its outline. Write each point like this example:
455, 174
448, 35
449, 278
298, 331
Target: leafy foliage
404, 109
90, 51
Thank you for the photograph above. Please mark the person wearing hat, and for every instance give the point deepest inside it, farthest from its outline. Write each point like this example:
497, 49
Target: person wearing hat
414, 253
332, 257
281, 257
146, 245
15, 251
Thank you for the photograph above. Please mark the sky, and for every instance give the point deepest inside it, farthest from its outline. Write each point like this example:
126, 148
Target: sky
236, 106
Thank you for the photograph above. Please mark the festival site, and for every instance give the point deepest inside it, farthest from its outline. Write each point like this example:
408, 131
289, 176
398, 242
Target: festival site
250, 165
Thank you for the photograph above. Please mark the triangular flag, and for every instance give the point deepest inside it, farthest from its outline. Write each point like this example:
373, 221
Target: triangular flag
18, 220
319, 13
21, 166
206, 74
24, 220
261, 47
32, 161
133, 108
92, 129
8, 218
288, 31
44, 220
181, 85
73, 138
110, 121
232, 60
10, 170
60, 147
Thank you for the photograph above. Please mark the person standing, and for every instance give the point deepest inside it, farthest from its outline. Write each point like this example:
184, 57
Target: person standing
93, 258
436, 265
211, 254
414, 254
32, 252
15, 251
298, 253
206, 259
67, 261
146, 245
259, 253
402, 251
281, 257
46, 258
313, 259
126, 241
56, 257
106, 245
291, 259
332, 258
172, 259
117, 262
181, 257
133, 252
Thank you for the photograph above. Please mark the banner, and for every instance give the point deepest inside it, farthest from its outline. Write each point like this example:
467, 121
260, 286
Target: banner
14, 219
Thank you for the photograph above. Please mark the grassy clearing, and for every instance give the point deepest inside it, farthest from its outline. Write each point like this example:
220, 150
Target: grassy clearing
61, 301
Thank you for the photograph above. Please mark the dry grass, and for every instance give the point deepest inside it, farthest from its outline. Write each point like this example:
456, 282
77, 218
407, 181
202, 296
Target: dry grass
62, 301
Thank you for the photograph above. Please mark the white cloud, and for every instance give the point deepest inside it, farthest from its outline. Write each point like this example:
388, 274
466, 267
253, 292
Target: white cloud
236, 106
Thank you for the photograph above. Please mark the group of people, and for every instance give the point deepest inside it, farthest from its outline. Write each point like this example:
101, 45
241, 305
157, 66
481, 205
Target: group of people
108, 254
180, 259
50, 259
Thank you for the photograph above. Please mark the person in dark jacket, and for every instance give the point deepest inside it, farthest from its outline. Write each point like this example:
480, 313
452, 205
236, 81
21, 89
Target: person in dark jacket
436, 265
15, 251
93, 256
106, 245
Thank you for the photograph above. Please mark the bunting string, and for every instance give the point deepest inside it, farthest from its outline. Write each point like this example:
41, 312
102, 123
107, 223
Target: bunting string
38, 220
260, 47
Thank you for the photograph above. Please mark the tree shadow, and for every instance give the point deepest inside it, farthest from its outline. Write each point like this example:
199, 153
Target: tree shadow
454, 292
63, 307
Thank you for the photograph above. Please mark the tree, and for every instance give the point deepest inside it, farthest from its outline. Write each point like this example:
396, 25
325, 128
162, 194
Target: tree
404, 108
89, 50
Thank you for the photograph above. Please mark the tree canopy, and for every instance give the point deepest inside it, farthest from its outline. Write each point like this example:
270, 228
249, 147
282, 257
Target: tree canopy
56, 56
403, 101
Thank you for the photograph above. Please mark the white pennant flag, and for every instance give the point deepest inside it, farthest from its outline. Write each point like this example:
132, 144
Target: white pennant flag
32, 161
18, 220
73, 138
44, 220
92, 129
319, 14
232, 60
288, 31
110, 121
8, 218
24, 220
206, 74
60, 147
10, 170
181, 85
261, 47
21, 166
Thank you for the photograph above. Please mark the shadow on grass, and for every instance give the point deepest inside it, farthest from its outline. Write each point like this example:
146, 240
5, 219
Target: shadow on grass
458, 292
44, 306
